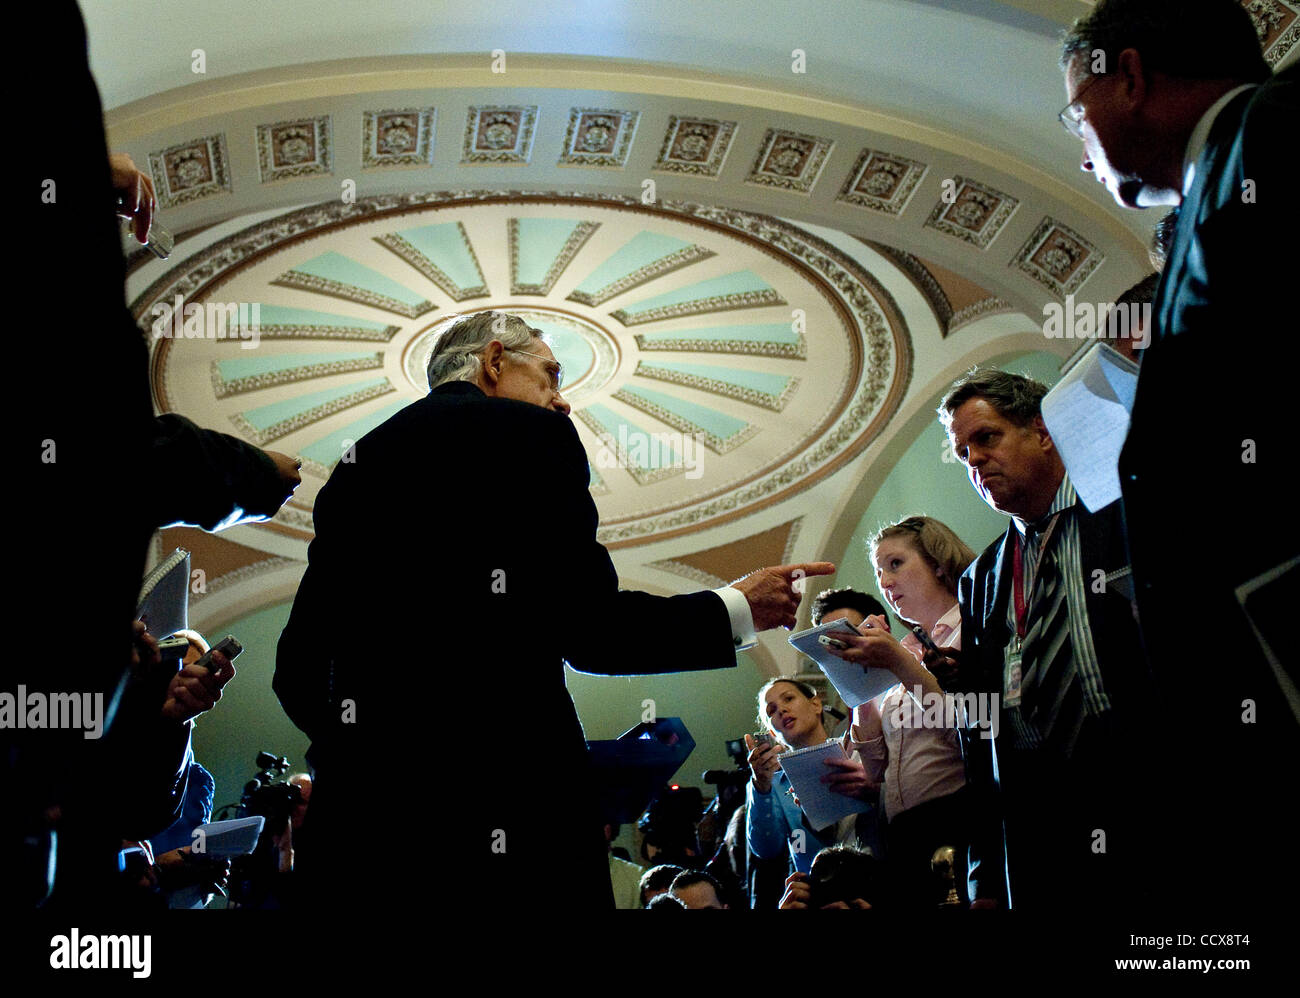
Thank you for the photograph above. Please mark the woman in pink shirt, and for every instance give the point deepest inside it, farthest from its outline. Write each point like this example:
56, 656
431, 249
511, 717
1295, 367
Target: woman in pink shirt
907, 737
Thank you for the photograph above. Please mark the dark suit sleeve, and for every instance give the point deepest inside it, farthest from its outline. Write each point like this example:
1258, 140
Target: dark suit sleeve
608, 631
221, 480
986, 872
303, 668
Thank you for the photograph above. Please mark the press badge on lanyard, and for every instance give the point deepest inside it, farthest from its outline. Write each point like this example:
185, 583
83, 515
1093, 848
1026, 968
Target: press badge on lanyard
1012, 676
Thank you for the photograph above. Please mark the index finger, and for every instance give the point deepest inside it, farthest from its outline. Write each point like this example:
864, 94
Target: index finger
807, 568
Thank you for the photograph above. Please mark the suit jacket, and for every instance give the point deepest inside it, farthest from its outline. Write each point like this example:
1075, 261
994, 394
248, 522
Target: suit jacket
455, 567
1207, 475
983, 593
1211, 429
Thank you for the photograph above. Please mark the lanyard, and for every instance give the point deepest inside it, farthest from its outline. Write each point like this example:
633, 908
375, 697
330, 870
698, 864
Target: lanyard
1018, 575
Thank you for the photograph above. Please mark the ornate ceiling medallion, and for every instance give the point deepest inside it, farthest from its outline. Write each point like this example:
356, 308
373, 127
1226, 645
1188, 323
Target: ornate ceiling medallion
717, 361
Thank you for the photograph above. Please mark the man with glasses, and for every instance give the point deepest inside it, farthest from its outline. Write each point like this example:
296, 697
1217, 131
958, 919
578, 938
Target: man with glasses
455, 569
1175, 105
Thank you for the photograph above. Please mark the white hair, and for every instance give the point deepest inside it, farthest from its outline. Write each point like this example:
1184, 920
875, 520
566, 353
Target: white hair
455, 357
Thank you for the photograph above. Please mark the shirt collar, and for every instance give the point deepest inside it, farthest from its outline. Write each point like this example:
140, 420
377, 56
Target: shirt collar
1201, 134
1064, 499
949, 622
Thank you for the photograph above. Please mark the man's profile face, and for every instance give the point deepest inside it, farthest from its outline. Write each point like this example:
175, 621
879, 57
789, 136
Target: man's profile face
1006, 463
528, 378
698, 896
1107, 132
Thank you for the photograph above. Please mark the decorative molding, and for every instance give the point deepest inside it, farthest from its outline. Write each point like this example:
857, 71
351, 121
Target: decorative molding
715, 443
299, 519
237, 576
1278, 27
499, 134
1057, 257
882, 182
989, 306
696, 146
642, 275
392, 241
925, 281
748, 348
313, 415
613, 451
350, 292
717, 387
598, 137
189, 171
789, 161
843, 440
314, 468
976, 214
696, 575
577, 239
702, 306
239, 386
795, 526
289, 149
363, 333
398, 137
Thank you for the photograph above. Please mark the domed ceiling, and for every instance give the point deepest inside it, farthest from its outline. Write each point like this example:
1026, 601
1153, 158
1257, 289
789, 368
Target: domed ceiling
760, 240
716, 360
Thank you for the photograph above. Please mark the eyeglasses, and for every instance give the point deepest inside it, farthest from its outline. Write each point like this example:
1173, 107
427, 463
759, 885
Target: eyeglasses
557, 375
1071, 116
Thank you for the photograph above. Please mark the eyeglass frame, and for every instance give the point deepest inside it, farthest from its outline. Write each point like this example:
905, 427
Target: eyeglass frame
558, 375
1072, 123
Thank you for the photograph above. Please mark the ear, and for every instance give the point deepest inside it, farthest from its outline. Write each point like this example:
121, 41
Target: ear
1133, 75
1044, 437
493, 358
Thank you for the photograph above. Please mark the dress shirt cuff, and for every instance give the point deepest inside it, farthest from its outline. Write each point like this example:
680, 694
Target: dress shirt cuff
742, 620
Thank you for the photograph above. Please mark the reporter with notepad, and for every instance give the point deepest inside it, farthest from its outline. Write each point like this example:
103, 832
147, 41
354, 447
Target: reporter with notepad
792, 712
918, 561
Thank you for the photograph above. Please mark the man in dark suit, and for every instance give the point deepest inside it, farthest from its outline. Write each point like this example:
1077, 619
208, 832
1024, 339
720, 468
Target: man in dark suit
455, 568
1047, 629
1176, 106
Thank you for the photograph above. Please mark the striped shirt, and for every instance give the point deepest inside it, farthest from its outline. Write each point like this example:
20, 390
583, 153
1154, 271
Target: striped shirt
1061, 681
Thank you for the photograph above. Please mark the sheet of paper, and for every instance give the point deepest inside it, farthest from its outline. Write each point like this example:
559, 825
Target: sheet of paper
854, 684
228, 839
805, 768
1087, 414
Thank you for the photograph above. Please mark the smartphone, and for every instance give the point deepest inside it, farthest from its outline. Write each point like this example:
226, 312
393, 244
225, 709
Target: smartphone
229, 647
919, 633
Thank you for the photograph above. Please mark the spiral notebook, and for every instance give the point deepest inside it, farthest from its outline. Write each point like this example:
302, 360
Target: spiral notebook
854, 683
164, 602
805, 768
